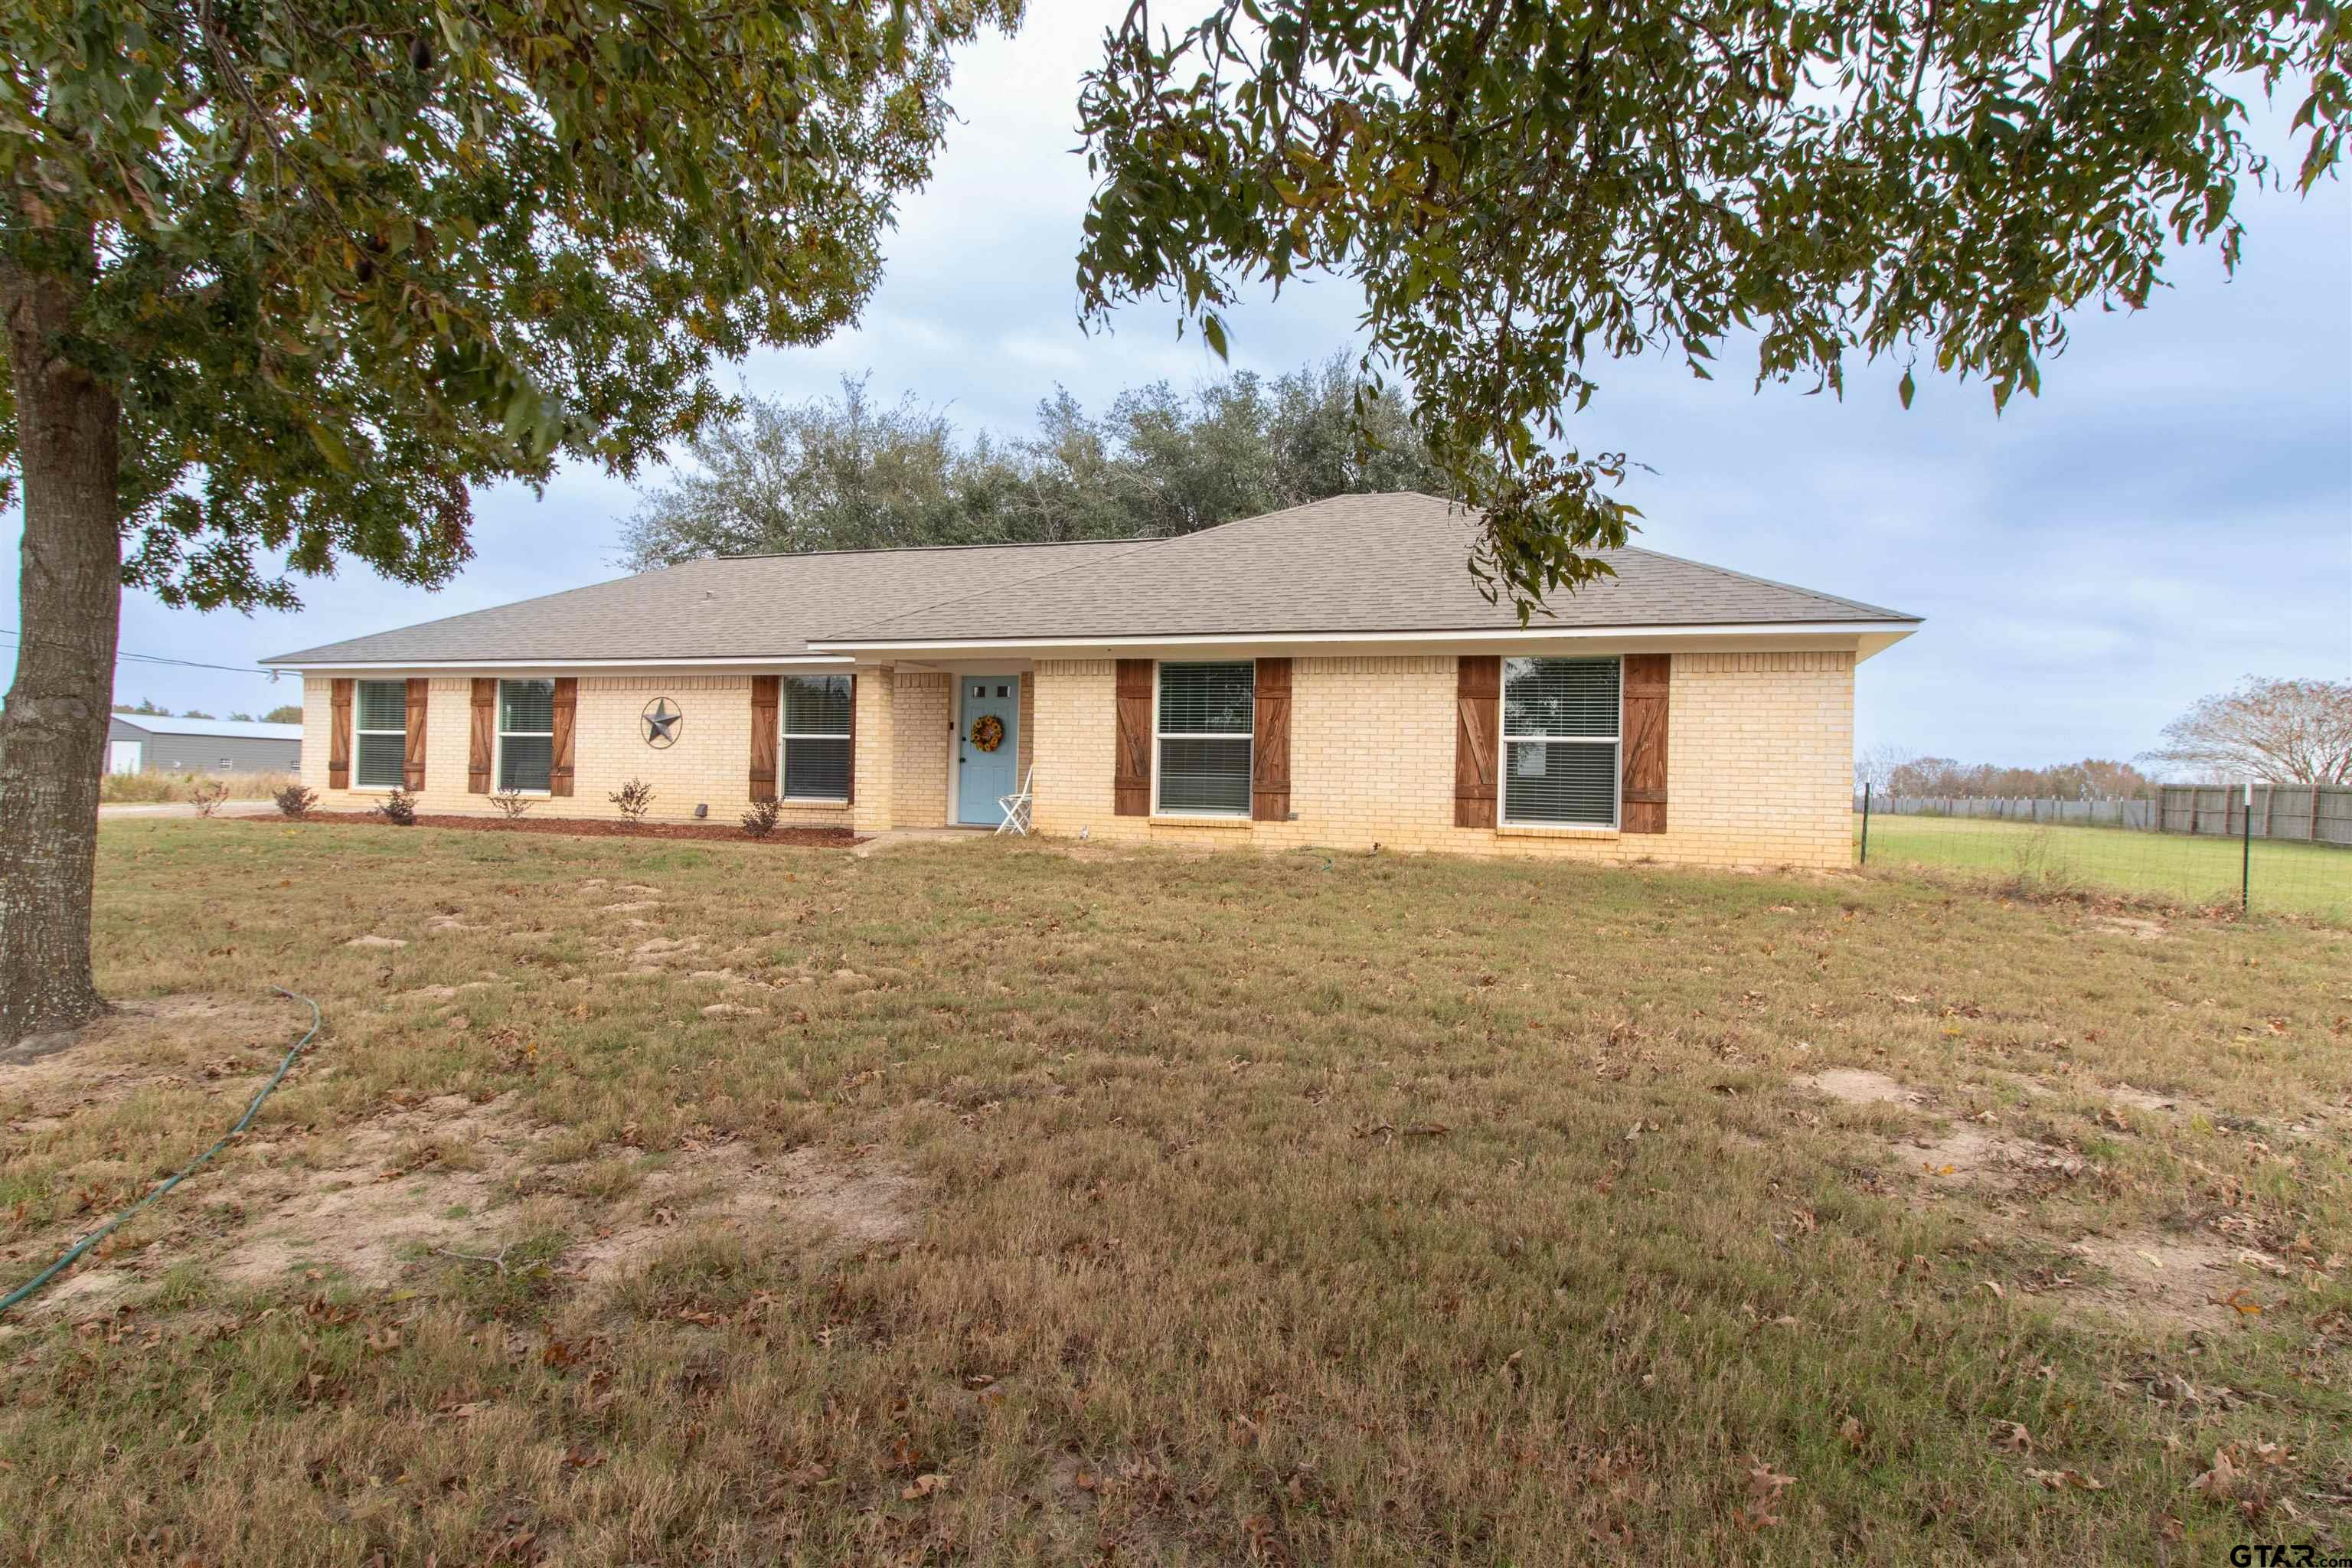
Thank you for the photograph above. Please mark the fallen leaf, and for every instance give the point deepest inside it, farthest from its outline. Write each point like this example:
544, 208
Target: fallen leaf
1764, 1486
925, 1484
2219, 1483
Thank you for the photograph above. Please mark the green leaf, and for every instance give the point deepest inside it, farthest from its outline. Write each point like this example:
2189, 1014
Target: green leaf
330, 446
1212, 332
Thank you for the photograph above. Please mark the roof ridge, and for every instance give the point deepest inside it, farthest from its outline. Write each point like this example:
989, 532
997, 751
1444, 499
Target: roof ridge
1320, 501
907, 549
1140, 544
1771, 583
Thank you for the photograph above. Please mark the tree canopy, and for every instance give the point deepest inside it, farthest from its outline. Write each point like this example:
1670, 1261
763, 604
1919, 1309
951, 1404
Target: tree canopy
1520, 186
848, 473
2281, 732
339, 264
281, 282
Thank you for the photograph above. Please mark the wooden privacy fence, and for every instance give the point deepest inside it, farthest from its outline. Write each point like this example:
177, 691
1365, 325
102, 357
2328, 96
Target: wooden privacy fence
2314, 813
2307, 813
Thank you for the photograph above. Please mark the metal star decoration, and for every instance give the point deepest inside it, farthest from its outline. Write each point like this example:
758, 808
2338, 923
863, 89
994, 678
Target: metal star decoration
661, 722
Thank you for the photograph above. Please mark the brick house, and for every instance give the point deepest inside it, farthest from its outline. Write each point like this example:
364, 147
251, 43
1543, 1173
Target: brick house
1327, 675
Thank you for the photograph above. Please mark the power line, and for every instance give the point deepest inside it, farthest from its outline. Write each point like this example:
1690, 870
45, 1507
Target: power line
159, 658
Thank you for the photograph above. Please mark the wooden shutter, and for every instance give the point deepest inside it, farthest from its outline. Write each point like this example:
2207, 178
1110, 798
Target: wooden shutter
339, 737
1130, 779
567, 707
1644, 783
481, 734
1270, 756
767, 695
412, 763
1477, 718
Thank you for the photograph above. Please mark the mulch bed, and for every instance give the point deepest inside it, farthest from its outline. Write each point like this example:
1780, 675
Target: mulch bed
595, 827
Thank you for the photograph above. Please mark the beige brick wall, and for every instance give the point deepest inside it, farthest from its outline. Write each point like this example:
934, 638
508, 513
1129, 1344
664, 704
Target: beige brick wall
922, 724
1759, 769
710, 763
877, 751
1759, 762
1028, 728
1078, 731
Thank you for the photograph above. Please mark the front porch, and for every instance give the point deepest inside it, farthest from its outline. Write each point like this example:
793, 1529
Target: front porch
942, 744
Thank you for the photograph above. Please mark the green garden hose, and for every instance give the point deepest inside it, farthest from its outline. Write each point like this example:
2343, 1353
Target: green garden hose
110, 1227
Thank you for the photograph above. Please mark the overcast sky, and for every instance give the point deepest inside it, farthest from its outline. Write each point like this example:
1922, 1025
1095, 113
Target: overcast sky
2174, 512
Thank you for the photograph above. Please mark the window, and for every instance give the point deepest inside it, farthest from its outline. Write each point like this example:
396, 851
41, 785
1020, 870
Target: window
382, 735
816, 737
1559, 729
1206, 716
526, 735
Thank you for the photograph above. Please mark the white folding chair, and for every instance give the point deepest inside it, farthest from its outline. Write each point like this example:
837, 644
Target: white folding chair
1015, 807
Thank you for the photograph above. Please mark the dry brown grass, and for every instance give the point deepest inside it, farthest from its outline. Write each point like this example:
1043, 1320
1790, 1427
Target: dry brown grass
981, 1202
161, 788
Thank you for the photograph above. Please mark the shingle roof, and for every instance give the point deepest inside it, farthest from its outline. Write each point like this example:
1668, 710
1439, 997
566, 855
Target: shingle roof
1365, 563
1368, 564
741, 607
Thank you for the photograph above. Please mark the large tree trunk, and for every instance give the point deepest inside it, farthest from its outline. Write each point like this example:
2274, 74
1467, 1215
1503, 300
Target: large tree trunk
53, 731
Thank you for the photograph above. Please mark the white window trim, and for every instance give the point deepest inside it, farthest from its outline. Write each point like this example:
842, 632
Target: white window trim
401, 783
1503, 740
784, 739
1251, 736
498, 744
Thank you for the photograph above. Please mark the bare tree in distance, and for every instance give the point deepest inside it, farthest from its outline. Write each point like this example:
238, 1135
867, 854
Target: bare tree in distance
2280, 732
1945, 778
1876, 766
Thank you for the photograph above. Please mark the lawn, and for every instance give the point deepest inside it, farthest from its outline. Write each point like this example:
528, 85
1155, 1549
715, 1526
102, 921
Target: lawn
994, 1202
2313, 880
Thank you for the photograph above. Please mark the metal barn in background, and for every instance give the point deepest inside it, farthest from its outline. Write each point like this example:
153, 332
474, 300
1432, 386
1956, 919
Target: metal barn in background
157, 743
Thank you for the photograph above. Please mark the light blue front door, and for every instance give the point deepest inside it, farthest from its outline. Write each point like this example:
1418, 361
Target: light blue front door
981, 775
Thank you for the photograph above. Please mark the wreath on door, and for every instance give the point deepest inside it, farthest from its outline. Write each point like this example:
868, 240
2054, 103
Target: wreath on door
987, 732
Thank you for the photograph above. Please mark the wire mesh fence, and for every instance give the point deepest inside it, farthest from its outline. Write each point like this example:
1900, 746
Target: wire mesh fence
2276, 851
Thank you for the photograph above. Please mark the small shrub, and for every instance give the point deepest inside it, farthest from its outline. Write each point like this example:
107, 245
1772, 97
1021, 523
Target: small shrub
295, 801
761, 820
511, 804
399, 808
2043, 871
633, 798
206, 797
